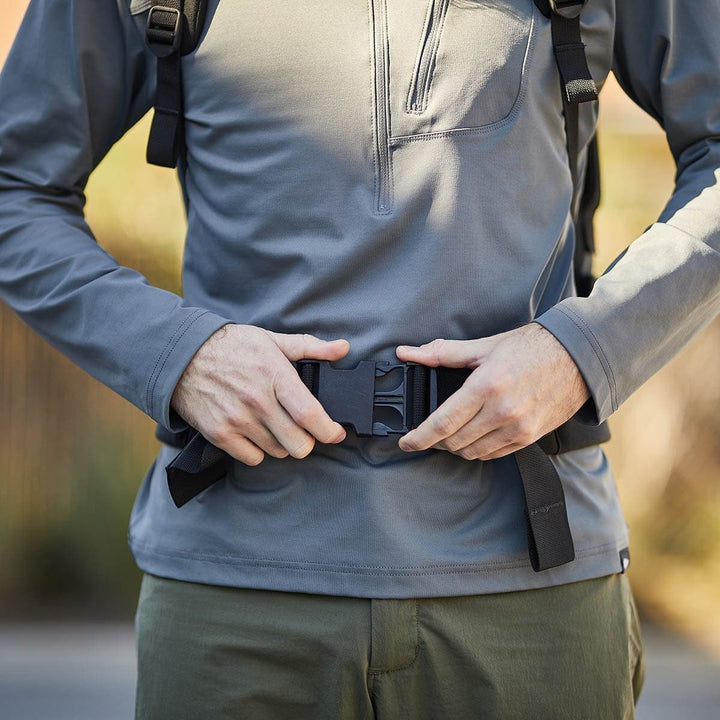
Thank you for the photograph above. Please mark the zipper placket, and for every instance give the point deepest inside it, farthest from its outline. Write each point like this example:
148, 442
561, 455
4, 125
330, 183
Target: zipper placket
422, 76
381, 112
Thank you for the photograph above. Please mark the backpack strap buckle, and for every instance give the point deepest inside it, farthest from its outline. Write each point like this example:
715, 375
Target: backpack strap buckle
569, 9
164, 30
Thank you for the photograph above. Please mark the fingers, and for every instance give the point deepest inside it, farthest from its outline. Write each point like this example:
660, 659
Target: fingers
300, 347
243, 450
446, 353
490, 446
266, 440
303, 410
301, 406
461, 407
476, 429
296, 441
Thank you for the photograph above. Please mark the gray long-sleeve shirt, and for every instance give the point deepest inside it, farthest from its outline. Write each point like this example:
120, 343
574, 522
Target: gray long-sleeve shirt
390, 172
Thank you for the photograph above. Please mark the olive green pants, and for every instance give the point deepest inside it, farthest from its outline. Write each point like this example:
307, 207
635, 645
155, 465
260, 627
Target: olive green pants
213, 653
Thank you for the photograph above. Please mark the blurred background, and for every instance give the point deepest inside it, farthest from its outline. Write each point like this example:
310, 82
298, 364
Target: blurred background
73, 453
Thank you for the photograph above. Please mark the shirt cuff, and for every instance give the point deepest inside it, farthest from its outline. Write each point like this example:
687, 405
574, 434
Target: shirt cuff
190, 335
585, 350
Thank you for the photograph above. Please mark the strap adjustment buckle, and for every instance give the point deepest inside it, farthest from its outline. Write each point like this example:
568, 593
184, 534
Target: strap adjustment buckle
374, 398
569, 9
164, 30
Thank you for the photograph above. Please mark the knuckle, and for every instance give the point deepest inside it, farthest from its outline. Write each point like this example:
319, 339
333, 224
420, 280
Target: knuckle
437, 348
446, 425
524, 434
452, 444
254, 402
309, 415
507, 415
498, 385
307, 341
221, 436
474, 386
468, 453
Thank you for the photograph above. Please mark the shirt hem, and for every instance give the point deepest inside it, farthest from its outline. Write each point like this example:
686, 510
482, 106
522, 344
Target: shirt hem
375, 582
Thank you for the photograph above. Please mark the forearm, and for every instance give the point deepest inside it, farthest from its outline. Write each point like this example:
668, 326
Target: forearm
663, 291
666, 288
108, 319
78, 76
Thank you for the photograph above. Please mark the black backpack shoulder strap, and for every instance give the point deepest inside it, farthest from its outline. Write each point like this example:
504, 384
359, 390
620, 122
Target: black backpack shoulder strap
578, 87
173, 29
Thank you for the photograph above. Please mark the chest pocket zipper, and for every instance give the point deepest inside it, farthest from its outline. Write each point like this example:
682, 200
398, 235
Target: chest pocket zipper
419, 91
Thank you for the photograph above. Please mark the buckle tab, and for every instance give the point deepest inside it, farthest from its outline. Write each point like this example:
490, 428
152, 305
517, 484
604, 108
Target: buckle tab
569, 9
164, 30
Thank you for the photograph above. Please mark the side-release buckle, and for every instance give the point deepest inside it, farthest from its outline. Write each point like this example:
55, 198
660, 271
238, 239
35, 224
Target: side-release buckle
374, 398
164, 30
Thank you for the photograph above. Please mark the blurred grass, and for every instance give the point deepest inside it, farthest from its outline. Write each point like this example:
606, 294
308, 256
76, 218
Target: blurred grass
74, 453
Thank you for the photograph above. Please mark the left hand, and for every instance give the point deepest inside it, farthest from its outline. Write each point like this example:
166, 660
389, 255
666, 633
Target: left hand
523, 385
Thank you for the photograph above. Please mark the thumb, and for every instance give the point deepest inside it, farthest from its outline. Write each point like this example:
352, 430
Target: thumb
445, 353
309, 347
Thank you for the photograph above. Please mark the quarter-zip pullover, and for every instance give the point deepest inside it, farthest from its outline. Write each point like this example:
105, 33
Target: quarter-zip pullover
387, 171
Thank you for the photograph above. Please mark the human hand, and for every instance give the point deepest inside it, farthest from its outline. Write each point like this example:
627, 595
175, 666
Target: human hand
243, 395
524, 384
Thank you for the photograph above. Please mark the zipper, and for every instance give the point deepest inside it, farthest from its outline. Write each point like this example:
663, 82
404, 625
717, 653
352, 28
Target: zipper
381, 110
419, 91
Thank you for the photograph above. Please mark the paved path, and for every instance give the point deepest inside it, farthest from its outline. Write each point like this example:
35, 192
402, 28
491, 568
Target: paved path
67, 672
682, 683
87, 672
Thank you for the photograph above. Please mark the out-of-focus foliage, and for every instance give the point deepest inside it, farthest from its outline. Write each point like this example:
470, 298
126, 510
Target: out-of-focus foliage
73, 453
666, 439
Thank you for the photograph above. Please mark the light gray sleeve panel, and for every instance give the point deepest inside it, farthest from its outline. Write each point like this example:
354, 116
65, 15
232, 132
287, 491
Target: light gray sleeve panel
666, 288
78, 76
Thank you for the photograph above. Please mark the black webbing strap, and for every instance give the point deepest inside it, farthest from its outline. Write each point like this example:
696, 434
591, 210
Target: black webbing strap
577, 86
548, 532
419, 376
195, 468
164, 31
166, 130
584, 231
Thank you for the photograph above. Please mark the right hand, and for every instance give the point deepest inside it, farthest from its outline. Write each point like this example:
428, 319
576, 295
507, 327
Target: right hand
243, 395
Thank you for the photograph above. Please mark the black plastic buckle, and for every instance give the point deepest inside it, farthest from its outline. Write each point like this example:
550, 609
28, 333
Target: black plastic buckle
374, 398
568, 9
164, 37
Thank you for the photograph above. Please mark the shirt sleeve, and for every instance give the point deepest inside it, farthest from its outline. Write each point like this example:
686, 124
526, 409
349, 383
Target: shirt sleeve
77, 77
666, 287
